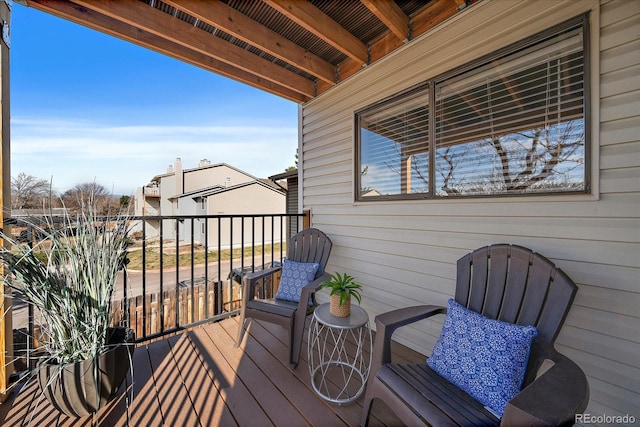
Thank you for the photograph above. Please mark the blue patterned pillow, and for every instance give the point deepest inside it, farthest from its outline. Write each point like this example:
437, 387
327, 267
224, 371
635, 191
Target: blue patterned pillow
295, 276
486, 358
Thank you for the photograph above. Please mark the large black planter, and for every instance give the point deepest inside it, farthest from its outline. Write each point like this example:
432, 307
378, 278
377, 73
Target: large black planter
86, 386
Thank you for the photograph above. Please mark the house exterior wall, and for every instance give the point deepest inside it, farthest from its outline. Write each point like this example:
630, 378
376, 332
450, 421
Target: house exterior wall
405, 252
179, 181
189, 206
250, 199
292, 206
167, 192
218, 174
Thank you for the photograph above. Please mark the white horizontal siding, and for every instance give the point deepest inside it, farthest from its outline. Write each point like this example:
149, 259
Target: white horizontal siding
405, 252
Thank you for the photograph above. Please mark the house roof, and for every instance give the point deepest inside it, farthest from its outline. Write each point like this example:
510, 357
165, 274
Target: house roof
219, 189
294, 49
201, 167
217, 165
284, 175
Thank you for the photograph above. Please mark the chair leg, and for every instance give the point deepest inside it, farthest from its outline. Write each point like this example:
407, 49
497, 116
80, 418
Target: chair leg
241, 328
369, 396
297, 331
295, 342
366, 411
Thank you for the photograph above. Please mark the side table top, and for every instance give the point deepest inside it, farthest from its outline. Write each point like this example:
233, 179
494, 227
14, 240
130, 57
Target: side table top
356, 319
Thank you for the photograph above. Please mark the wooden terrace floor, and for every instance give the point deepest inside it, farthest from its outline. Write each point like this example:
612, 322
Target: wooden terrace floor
198, 378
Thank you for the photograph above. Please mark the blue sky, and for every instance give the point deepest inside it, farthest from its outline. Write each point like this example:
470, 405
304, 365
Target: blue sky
86, 106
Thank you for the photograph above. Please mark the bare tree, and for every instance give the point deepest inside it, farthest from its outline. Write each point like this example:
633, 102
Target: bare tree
543, 158
450, 160
93, 193
529, 165
29, 192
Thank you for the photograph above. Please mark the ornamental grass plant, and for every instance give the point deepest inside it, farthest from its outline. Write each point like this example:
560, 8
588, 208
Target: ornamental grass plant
72, 285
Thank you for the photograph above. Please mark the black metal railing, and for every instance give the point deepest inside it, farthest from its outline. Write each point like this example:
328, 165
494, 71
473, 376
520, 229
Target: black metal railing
195, 289
182, 271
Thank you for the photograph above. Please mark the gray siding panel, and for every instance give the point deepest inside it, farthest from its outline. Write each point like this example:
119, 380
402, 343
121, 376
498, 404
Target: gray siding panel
405, 252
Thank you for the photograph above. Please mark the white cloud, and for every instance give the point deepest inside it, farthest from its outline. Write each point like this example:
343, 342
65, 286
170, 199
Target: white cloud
126, 157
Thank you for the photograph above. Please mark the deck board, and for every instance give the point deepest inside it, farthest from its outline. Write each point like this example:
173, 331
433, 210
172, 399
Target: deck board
241, 402
199, 377
200, 387
207, 355
176, 407
276, 406
264, 350
146, 410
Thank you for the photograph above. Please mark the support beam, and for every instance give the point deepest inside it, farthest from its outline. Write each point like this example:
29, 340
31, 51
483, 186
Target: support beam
425, 19
154, 21
313, 20
391, 15
94, 20
6, 327
229, 20
432, 15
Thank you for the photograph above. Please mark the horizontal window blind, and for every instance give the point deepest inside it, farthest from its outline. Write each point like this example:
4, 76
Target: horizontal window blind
515, 124
393, 146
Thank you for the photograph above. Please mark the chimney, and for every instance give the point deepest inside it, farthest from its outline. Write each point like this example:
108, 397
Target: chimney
178, 168
204, 162
170, 169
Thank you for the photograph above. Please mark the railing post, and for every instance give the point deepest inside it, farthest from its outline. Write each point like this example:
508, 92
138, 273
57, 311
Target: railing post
306, 219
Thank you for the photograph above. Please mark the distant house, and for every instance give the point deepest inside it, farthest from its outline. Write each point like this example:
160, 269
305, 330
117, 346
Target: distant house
290, 180
209, 189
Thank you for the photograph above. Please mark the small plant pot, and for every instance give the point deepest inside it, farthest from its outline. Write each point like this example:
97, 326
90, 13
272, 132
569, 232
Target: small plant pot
338, 310
82, 388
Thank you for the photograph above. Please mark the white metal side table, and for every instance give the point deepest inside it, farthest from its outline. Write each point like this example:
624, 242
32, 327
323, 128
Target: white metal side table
338, 365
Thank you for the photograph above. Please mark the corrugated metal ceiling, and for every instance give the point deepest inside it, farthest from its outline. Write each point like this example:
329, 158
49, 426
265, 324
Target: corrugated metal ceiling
350, 14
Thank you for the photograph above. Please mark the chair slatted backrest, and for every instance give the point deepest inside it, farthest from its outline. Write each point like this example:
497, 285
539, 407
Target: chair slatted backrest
310, 245
516, 285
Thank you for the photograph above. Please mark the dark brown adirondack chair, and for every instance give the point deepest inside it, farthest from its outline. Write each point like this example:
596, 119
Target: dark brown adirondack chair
504, 282
310, 245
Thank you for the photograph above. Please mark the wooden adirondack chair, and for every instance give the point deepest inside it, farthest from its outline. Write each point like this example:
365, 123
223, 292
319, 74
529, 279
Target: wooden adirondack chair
503, 282
308, 246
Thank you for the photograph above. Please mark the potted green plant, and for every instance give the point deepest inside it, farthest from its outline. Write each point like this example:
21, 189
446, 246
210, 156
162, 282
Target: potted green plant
69, 276
342, 288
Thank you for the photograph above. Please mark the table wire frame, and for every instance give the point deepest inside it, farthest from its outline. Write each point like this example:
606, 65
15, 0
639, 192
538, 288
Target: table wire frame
338, 364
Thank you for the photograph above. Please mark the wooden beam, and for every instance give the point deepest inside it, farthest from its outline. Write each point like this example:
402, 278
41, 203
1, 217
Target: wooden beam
6, 316
229, 20
391, 15
306, 219
423, 20
313, 20
433, 14
91, 19
154, 21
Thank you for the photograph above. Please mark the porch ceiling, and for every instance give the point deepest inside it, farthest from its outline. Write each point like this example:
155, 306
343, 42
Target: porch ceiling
292, 48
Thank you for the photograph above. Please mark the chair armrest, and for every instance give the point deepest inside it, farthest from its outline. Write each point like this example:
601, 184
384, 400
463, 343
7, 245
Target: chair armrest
387, 323
257, 275
310, 289
553, 398
249, 282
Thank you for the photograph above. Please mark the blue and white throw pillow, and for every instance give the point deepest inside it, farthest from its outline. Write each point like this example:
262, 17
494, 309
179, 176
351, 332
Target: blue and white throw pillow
295, 276
487, 358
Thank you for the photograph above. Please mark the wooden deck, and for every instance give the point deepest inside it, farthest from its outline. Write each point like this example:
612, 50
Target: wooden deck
198, 378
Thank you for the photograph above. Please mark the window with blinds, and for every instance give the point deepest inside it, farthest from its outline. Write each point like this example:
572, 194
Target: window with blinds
394, 146
513, 123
